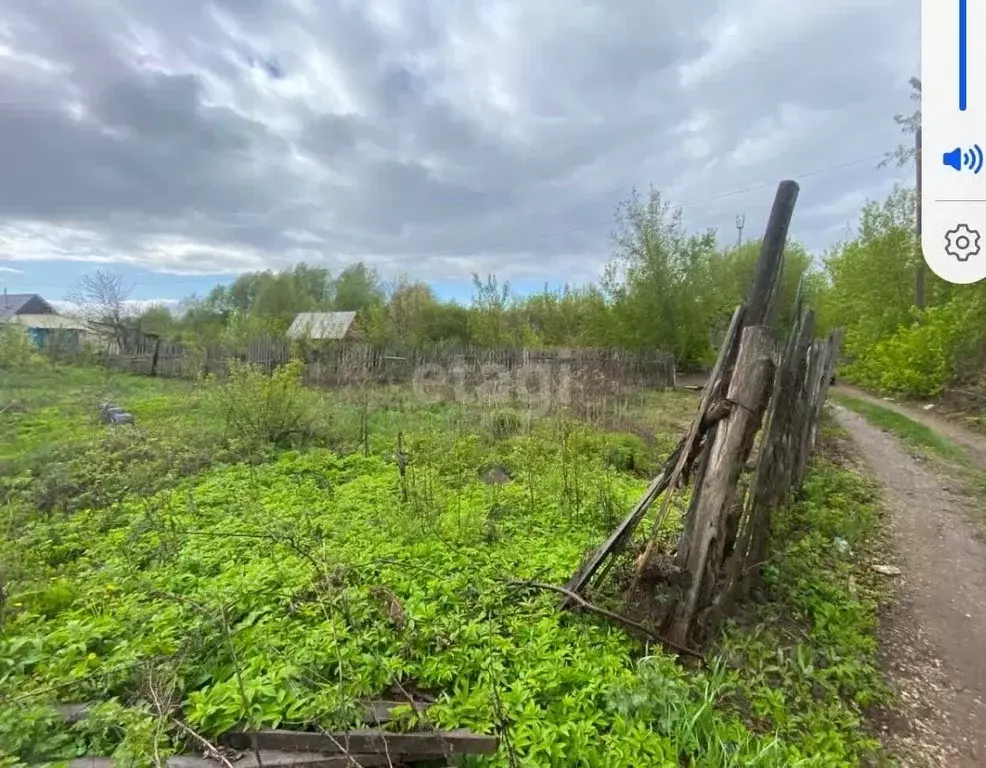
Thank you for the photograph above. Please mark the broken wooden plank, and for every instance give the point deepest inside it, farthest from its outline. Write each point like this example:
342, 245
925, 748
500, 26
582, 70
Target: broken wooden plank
270, 758
705, 419
702, 544
365, 741
718, 380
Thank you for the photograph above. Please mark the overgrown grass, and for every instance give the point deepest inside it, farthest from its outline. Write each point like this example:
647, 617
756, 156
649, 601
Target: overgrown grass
914, 433
284, 588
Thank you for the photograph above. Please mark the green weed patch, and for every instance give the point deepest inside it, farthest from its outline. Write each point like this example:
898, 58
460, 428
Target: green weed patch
287, 589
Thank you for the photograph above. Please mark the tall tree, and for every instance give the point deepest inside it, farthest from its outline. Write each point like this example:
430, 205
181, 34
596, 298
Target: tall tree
102, 297
660, 280
488, 325
157, 319
407, 307
909, 124
357, 288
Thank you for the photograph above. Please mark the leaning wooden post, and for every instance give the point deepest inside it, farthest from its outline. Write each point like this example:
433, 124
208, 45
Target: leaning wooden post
813, 385
761, 298
154, 358
703, 542
700, 553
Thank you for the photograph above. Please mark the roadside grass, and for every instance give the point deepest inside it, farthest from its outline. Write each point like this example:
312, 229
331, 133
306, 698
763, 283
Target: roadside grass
927, 443
917, 435
170, 562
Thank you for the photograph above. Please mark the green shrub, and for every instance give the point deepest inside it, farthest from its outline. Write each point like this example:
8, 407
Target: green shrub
267, 409
920, 359
17, 352
627, 453
503, 423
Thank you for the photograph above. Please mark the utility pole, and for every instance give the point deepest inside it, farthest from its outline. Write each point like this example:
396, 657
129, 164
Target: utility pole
740, 223
919, 261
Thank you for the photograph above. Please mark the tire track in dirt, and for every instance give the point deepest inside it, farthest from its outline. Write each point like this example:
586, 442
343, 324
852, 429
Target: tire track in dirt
934, 638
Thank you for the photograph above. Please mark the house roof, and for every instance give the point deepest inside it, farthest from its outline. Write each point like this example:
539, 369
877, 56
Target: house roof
23, 303
321, 325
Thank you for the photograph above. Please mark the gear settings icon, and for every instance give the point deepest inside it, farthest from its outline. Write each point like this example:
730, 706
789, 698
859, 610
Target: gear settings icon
962, 242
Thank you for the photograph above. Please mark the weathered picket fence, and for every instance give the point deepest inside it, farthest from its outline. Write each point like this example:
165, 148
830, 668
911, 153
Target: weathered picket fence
340, 363
757, 387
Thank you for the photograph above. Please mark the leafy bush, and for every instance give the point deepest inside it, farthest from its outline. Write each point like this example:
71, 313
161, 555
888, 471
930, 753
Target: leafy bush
503, 423
17, 352
267, 409
919, 360
627, 453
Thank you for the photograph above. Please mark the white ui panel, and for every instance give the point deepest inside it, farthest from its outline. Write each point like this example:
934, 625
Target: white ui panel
953, 154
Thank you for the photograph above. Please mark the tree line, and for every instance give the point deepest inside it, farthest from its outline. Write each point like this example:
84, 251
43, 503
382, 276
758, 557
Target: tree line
664, 288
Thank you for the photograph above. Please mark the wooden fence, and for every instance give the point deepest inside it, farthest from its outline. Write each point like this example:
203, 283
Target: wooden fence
341, 363
759, 388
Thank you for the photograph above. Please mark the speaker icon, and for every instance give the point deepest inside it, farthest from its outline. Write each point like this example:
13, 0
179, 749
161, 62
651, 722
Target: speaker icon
970, 159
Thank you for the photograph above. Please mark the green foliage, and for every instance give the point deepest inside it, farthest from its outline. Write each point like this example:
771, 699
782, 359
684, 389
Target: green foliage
923, 356
810, 665
894, 347
242, 328
488, 323
17, 352
872, 275
911, 431
664, 288
675, 291
264, 593
267, 409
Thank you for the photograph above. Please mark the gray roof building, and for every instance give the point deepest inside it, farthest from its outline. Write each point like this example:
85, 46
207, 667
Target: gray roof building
321, 325
13, 304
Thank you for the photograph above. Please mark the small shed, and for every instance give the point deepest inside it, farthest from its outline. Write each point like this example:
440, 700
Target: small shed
325, 326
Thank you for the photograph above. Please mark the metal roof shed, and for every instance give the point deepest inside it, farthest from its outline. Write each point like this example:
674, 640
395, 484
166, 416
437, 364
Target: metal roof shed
322, 326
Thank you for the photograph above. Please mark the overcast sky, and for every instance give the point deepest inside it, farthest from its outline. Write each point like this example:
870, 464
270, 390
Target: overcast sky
183, 141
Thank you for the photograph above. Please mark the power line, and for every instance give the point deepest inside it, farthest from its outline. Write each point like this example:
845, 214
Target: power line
216, 277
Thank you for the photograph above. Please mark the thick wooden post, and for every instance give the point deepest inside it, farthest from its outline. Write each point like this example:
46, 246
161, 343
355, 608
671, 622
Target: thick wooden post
154, 358
703, 543
763, 291
714, 392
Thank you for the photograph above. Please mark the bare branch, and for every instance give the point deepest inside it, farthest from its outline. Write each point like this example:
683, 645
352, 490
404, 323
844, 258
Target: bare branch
582, 602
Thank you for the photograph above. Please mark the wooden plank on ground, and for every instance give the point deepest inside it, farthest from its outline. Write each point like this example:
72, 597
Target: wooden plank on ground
274, 759
366, 741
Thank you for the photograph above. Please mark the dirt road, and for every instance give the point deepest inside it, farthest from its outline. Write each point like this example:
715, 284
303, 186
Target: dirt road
934, 639
975, 444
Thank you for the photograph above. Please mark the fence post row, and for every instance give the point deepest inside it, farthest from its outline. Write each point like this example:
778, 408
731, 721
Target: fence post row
723, 543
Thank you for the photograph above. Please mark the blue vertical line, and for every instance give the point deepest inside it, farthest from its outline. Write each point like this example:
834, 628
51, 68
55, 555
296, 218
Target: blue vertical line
963, 55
